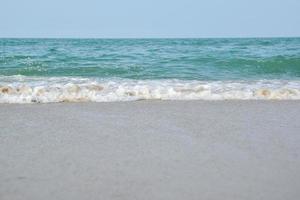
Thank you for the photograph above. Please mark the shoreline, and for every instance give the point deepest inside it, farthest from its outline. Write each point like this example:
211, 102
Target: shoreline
156, 101
66, 89
152, 149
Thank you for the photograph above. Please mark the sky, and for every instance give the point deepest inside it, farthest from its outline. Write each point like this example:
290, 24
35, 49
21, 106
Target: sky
149, 18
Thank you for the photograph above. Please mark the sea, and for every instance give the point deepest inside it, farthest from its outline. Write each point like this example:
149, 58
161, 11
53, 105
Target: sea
105, 70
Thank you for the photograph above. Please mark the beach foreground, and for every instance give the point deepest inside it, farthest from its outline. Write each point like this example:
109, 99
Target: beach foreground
151, 150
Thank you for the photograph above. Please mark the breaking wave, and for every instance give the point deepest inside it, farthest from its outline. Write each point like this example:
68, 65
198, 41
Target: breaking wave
21, 89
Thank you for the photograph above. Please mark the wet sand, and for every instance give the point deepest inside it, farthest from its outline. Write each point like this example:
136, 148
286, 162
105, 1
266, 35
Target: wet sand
151, 150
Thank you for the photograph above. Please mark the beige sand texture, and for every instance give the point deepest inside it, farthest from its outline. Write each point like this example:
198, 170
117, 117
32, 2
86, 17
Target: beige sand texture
168, 150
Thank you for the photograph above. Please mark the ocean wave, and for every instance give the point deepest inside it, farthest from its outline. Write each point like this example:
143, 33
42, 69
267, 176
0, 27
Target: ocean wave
21, 89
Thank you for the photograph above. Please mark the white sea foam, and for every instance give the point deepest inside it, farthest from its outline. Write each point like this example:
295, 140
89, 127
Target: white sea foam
20, 89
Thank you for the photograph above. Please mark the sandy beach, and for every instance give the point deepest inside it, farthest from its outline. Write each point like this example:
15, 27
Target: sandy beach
150, 150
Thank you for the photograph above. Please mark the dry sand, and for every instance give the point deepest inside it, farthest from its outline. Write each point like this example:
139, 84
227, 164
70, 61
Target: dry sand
165, 150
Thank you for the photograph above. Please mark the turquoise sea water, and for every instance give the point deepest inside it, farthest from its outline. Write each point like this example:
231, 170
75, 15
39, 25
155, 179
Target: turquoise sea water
188, 59
54, 70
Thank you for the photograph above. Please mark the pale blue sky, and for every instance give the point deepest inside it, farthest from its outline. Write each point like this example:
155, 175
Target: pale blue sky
151, 18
